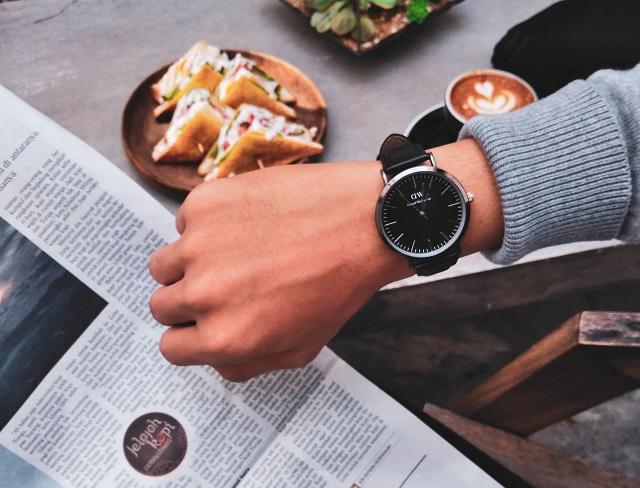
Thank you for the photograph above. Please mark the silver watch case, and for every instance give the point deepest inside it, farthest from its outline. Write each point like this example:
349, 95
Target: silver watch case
465, 197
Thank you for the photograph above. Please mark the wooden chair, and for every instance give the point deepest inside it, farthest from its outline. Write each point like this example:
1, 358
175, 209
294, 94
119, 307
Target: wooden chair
591, 358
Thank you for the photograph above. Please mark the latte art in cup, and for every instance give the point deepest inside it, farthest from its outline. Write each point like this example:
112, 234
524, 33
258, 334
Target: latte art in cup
487, 100
487, 92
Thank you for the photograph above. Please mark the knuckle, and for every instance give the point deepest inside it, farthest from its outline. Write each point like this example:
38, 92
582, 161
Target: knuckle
188, 247
154, 305
195, 199
232, 375
165, 349
214, 344
230, 346
151, 263
192, 198
196, 296
190, 250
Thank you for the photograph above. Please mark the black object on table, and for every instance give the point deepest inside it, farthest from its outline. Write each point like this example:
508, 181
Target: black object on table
431, 130
570, 40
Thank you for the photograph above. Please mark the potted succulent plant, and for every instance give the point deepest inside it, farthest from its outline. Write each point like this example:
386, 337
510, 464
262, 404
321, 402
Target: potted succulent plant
362, 25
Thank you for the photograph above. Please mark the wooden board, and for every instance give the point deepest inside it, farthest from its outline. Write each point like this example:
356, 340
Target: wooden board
533, 464
560, 375
141, 131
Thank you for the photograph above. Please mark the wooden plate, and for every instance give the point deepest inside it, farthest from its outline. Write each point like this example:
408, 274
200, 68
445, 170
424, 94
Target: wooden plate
141, 130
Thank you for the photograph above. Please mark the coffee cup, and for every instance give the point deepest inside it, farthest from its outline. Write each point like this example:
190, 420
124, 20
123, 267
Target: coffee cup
484, 92
429, 129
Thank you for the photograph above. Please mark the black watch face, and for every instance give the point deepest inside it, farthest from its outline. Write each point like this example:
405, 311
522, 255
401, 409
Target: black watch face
421, 214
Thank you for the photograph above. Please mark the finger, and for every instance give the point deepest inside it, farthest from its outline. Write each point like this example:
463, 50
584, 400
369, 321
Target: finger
165, 265
293, 358
182, 346
169, 306
181, 223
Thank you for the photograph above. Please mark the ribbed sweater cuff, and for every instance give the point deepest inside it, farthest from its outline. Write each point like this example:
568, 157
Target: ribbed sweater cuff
561, 169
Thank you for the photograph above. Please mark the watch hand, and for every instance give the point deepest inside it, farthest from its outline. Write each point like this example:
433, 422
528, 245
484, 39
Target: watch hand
421, 213
424, 193
408, 202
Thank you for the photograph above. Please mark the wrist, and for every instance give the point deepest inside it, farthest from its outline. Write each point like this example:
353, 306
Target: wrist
385, 264
466, 161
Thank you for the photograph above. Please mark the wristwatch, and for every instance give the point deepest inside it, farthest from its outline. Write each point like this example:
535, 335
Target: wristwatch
422, 211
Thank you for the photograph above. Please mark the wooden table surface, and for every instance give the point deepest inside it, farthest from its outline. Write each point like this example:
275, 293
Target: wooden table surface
78, 60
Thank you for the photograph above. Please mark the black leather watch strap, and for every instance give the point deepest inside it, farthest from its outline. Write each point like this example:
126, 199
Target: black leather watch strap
398, 153
436, 264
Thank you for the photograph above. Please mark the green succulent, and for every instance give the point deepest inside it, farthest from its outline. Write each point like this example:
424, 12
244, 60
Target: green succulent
417, 10
344, 21
385, 4
366, 32
321, 20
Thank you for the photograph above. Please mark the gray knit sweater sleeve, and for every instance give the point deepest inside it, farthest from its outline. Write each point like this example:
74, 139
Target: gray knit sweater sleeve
568, 166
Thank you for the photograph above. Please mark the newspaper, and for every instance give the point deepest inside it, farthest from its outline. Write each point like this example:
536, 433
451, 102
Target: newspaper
87, 400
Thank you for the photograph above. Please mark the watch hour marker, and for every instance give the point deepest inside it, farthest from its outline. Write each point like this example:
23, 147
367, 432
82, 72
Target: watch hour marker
398, 238
453, 204
413, 245
443, 191
443, 235
391, 223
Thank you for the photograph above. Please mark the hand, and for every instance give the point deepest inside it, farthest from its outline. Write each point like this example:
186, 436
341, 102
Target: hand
270, 265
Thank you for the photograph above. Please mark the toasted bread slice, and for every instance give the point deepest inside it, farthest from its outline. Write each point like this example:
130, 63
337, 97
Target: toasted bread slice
254, 151
174, 81
244, 90
256, 138
193, 130
207, 78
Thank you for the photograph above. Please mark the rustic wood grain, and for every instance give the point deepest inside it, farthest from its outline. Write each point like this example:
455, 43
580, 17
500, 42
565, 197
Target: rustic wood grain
560, 375
626, 360
610, 328
538, 357
533, 463
501, 288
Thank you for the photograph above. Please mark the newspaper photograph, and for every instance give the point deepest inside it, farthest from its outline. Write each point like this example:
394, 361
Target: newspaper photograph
86, 398
43, 311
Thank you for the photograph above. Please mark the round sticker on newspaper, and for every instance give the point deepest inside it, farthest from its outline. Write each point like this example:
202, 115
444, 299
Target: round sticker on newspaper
155, 444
